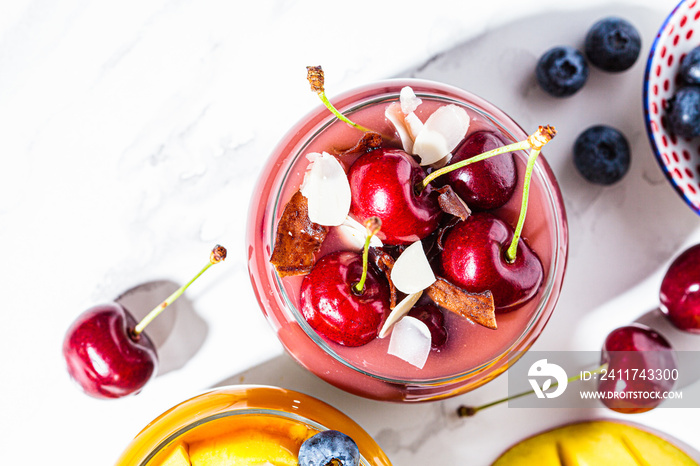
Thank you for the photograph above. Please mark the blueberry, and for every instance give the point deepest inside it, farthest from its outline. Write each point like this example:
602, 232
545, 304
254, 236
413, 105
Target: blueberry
684, 112
326, 446
613, 44
690, 67
562, 71
602, 155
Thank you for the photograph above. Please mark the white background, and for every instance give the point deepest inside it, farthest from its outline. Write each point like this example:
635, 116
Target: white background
131, 135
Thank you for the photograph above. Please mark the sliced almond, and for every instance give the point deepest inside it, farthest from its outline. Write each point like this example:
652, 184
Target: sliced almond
409, 101
397, 118
354, 235
400, 310
413, 125
410, 341
401, 115
327, 190
412, 272
441, 133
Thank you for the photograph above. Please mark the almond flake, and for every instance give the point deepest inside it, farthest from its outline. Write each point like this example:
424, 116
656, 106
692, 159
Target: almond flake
410, 341
441, 133
354, 235
412, 272
407, 124
409, 101
397, 118
413, 125
327, 189
398, 312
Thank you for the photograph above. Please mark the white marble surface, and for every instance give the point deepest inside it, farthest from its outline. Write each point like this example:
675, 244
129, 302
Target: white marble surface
131, 134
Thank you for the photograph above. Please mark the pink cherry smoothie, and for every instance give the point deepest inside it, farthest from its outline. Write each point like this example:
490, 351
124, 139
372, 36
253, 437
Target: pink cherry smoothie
472, 354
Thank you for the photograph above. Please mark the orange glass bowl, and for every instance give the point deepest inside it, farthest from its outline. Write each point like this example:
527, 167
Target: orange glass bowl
222, 411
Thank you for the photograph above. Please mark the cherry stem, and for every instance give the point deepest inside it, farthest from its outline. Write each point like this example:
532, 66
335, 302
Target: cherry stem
468, 411
513, 248
315, 76
373, 224
536, 141
217, 255
521, 145
339, 115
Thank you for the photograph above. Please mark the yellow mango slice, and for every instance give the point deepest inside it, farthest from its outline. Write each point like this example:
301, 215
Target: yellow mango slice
177, 457
249, 441
594, 443
243, 449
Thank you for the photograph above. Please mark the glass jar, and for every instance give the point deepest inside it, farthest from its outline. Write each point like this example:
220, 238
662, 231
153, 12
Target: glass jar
471, 357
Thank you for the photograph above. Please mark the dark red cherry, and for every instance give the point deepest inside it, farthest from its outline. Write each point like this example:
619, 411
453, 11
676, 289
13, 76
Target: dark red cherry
332, 307
640, 361
474, 258
108, 353
488, 184
382, 183
680, 291
431, 316
105, 357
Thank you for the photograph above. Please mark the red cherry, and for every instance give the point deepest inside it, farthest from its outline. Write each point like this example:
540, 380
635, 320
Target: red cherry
105, 357
431, 316
332, 307
382, 183
107, 352
680, 291
474, 258
488, 184
639, 360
